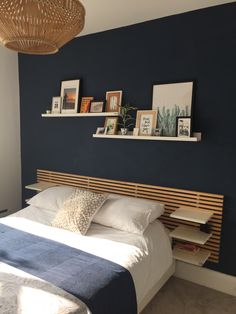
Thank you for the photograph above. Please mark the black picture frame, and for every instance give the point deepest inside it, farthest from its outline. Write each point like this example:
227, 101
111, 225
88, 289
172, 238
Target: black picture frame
184, 126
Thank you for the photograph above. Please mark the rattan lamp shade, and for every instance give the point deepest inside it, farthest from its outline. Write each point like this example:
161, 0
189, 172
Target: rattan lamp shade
39, 26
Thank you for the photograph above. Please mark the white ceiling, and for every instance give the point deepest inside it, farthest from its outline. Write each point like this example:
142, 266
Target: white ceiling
102, 15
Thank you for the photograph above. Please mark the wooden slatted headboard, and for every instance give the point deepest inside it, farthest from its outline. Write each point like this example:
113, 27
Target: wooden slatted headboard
172, 198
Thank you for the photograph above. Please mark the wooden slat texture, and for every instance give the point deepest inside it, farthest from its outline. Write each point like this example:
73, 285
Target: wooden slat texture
172, 198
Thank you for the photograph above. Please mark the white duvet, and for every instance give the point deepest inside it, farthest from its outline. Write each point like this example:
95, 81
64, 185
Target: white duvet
147, 258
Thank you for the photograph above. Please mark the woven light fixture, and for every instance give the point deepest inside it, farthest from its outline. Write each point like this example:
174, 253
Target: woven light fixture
39, 26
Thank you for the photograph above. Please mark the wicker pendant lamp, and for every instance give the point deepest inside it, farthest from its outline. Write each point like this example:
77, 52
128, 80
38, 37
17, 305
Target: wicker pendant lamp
39, 26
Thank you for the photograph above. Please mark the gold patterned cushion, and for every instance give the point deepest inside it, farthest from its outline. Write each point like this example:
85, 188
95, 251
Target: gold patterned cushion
78, 211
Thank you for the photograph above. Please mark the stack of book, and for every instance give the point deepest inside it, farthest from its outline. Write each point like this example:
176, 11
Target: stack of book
187, 247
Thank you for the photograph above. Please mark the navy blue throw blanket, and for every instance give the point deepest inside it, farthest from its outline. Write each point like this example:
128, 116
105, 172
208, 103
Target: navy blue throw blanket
105, 287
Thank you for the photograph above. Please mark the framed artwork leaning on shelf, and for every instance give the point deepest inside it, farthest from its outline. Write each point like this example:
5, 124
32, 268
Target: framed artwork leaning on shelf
113, 101
172, 100
146, 121
111, 124
183, 126
101, 130
56, 105
85, 104
96, 106
70, 95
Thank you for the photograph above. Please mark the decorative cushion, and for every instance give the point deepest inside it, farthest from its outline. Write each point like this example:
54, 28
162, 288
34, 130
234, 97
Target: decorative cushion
78, 211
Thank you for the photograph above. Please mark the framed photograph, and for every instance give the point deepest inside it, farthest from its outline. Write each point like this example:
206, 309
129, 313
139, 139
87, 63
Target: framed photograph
56, 105
146, 121
172, 100
85, 104
111, 123
96, 106
183, 126
113, 101
70, 95
101, 130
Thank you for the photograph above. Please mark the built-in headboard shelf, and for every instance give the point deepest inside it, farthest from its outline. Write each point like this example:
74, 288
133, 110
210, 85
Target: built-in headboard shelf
171, 197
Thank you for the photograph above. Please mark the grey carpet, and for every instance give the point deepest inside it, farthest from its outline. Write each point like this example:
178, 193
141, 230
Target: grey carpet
178, 296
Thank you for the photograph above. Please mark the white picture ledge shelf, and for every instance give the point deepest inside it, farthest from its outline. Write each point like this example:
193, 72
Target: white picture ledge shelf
195, 138
79, 115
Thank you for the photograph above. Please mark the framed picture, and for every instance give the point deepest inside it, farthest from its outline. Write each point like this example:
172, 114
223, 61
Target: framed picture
172, 100
135, 131
85, 104
111, 124
101, 130
96, 106
70, 95
183, 126
113, 101
56, 105
146, 121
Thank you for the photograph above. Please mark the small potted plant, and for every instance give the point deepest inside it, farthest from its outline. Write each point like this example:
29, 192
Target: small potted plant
126, 118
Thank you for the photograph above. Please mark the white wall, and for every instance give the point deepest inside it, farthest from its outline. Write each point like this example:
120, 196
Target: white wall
10, 158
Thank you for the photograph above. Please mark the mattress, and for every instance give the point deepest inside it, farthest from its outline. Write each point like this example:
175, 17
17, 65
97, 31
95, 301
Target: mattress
147, 256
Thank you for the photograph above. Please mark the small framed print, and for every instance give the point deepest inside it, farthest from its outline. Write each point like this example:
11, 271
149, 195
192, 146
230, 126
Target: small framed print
146, 121
135, 131
111, 123
56, 105
101, 130
183, 126
85, 104
113, 101
70, 95
96, 106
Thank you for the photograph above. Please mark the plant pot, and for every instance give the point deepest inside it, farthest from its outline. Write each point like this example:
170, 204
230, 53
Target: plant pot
124, 131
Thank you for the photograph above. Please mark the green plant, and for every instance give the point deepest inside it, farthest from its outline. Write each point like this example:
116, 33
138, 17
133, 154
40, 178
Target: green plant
126, 118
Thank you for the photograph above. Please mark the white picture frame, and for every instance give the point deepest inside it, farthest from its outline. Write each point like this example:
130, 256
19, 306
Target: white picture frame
70, 96
101, 130
56, 105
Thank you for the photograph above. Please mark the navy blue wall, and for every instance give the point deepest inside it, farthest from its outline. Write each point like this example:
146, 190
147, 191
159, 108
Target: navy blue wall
198, 45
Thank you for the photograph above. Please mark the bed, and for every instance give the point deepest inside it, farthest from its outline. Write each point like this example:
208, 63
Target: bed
147, 257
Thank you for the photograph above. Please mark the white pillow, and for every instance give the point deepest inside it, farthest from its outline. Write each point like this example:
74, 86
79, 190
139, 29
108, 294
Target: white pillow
52, 198
129, 214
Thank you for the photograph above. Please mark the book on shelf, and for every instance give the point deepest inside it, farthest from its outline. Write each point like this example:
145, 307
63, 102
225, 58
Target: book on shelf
187, 247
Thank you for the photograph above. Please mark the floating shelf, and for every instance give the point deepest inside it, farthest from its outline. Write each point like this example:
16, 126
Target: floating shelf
190, 234
196, 259
195, 138
192, 214
80, 115
40, 186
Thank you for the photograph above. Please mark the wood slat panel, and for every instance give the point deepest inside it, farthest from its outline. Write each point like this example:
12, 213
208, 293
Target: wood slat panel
172, 198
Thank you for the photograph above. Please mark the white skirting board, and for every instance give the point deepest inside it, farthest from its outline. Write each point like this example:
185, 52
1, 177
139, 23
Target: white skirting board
206, 277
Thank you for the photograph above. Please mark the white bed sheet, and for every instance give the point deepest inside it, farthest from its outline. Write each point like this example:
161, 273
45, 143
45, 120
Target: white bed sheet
147, 257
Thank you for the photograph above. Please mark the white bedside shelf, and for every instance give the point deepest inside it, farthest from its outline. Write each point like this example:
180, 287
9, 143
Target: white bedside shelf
190, 234
149, 138
80, 115
192, 214
196, 259
40, 186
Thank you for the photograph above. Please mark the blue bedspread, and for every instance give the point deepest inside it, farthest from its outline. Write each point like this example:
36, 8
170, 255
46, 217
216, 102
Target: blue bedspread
105, 287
